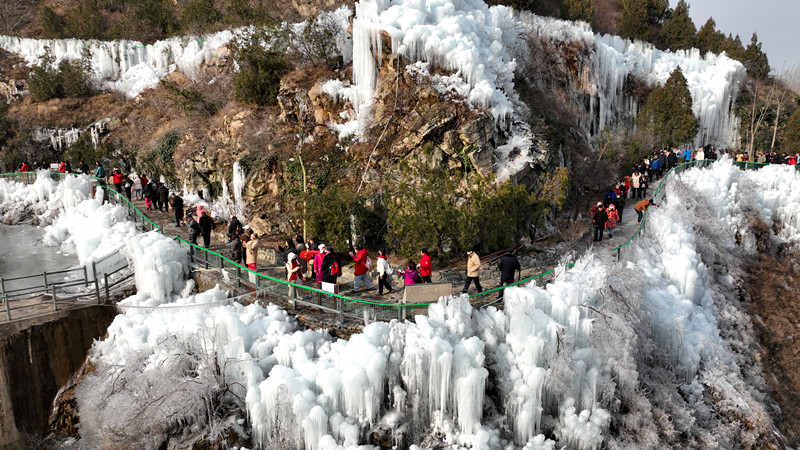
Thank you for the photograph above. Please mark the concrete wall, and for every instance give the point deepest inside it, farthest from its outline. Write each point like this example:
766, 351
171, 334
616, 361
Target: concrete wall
38, 357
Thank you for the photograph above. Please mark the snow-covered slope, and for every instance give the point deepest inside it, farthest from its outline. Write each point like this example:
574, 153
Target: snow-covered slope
653, 351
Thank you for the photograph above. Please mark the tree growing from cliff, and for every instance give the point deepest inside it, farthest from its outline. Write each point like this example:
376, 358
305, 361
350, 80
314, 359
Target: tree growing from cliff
678, 32
6, 131
259, 77
668, 112
52, 24
69, 79
86, 21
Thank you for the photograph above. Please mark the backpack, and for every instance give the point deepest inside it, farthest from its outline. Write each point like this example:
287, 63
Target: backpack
417, 277
335, 269
389, 269
368, 263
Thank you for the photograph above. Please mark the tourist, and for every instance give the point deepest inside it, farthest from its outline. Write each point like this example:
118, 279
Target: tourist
636, 179
384, 271
100, 172
163, 197
425, 267
700, 155
25, 167
410, 275
613, 218
137, 186
84, 168
642, 206
508, 265
293, 273
117, 176
194, 230
177, 206
251, 252
331, 266
317, 264
286, 248
235, 244
127, 185
62, 167
206, 225
234, 227
362, 263
599, 222
473, 271
299, 248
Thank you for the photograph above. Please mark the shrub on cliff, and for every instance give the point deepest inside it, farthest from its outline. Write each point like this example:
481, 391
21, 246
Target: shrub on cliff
259, 77
68, 79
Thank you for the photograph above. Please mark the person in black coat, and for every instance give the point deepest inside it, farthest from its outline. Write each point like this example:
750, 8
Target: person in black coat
206, 225
600, 218
235, 227
163, 197
330, 264
235, 244
508, 265
177, 206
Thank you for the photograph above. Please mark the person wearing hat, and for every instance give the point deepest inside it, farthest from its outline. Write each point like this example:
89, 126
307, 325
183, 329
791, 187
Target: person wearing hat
642, 206
613, 218
508, 264
251, 252
292, 273
473, 271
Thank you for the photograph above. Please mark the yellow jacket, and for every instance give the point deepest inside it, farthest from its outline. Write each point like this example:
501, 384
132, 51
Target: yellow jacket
252, 251
473, 265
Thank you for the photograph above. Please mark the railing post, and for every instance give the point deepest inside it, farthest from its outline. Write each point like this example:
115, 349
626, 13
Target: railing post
44, 279
341, 310
5, 299
108, 297
96, 283
55, 305
85, 278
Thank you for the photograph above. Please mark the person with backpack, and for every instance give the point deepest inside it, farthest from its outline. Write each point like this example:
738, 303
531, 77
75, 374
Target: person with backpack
235, 244
362, 266
410, 275
508, 265
163, 197
177, 207
599, 222
613, 218
206, 225
384, 272
473, 271
331, 266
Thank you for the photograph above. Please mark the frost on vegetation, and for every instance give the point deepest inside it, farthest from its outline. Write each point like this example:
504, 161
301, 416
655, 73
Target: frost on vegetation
628, 354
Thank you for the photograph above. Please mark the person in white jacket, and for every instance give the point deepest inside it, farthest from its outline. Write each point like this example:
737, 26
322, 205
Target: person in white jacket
137, 186
384, 270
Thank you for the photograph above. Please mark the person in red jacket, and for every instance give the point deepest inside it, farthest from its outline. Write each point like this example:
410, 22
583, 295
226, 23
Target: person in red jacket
425, 267
117, 174
361, 270
25, 167
62, 168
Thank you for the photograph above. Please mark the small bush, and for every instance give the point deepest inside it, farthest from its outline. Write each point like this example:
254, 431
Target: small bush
199, 16
259, 77
69, 79
315, 44
188, 100
86, 21
52, 24
159, 161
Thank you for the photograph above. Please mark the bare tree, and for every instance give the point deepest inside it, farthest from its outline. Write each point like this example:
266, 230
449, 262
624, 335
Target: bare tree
15, 15
786, 79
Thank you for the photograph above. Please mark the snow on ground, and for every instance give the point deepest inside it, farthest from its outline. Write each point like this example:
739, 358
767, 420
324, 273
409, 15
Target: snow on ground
599, 357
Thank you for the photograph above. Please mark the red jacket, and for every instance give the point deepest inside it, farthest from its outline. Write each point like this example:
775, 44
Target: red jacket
25, 168
425, 267
62, 168
117, 178
361, 262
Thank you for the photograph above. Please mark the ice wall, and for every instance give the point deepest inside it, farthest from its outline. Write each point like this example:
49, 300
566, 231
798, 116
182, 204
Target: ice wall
602, 79
61, 139
128, 67
463, 36
658, 334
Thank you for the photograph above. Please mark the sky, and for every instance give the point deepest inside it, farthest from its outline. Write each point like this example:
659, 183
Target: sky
775, 21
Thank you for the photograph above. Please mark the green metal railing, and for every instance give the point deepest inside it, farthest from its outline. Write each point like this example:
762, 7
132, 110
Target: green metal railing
338, 304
